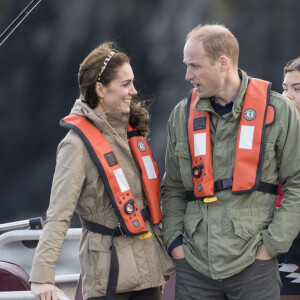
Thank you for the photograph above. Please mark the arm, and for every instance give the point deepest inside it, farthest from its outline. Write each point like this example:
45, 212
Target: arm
173, 194
286, 223
66, 188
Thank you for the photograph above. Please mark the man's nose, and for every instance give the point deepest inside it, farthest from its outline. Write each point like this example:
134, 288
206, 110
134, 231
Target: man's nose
289, 94
188, 74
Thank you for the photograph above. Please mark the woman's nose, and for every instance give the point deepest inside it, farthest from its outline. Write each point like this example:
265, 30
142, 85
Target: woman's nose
133, 91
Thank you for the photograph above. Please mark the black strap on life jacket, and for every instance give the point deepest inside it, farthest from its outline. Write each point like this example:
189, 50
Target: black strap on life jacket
114, 263
226, 183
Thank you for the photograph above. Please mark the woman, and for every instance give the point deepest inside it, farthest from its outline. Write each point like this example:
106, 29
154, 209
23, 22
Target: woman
101, 173
289, 263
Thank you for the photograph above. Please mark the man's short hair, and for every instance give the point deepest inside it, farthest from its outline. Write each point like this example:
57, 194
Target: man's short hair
292, 65
217, 40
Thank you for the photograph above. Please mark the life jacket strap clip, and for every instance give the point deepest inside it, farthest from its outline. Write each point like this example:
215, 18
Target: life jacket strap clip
223, 184
120, 228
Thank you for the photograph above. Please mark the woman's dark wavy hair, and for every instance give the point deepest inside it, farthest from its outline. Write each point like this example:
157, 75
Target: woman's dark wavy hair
87, 78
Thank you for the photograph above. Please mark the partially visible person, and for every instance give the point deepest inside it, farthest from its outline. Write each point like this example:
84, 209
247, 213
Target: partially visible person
230, 143
291, 81
289, 263
105, 172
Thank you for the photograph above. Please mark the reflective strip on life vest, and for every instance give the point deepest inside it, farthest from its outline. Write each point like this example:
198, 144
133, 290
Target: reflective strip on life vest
143, 156
251, 137
111, 173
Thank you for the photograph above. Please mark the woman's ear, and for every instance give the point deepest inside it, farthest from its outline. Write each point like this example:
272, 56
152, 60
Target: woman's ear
99, 89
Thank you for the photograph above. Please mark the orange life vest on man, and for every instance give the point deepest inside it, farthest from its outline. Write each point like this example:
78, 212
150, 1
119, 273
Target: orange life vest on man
129, 215
255, 116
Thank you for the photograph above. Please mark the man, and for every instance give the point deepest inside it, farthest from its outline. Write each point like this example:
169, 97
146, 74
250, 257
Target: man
291, 81
290, 262
229, 145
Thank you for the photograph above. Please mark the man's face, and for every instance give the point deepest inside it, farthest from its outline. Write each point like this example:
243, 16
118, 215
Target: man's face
291, 87
202, 73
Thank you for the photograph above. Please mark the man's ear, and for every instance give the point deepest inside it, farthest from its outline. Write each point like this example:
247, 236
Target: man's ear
224, 63
99, 89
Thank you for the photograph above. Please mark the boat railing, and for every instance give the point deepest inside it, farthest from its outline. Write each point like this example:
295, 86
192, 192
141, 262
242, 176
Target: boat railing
29, 235
25, 295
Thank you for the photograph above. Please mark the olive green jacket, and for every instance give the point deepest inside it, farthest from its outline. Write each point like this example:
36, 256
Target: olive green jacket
143, 263
222, 238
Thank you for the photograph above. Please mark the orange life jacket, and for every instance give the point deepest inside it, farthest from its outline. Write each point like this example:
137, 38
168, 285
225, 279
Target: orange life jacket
116, 185
255, 116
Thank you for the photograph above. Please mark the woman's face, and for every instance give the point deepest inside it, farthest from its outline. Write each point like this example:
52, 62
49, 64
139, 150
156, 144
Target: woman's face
291, 87
116, 96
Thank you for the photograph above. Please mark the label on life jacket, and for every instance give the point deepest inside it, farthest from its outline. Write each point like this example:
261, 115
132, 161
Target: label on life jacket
114, 180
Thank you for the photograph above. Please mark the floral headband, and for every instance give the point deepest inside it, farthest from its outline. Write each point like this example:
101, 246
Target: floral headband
107, 59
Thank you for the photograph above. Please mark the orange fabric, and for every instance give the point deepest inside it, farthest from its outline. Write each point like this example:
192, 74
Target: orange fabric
118, 198
151, 186
245, 173
203, 185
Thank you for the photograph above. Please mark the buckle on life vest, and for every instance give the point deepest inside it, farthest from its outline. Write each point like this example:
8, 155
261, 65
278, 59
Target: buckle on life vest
210, 199
145, 235
223, 184
120, 228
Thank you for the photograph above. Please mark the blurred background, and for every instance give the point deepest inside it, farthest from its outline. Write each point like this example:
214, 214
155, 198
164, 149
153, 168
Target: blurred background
39, 64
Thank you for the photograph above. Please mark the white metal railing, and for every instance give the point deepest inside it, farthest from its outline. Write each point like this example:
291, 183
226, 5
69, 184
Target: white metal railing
34, 223
27, 235
69, 278
25, 295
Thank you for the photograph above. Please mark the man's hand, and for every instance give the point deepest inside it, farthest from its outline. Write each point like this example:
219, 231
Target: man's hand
177, 252
45, 291
263, 253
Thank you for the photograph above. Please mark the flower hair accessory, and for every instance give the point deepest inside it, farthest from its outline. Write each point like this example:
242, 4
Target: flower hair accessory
107, 59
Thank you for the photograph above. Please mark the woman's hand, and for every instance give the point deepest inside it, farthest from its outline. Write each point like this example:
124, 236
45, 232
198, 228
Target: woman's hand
45, 291
162, 288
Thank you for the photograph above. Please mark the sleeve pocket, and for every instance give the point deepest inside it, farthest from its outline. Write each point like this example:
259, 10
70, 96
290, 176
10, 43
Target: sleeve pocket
182, 150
